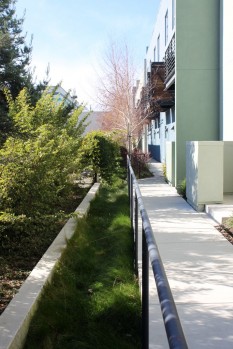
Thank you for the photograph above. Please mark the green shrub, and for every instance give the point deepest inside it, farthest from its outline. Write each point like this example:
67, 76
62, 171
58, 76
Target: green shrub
36, 163
100, 154
228, 223
164, 169
181, 188
139, 162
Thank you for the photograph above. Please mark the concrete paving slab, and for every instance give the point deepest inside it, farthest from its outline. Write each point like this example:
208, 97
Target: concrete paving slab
207, 326
201, 287
185, 235
156, 328
211, 254
198, 262
179, 219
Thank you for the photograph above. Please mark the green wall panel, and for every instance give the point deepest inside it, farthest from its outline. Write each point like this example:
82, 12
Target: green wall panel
197, 75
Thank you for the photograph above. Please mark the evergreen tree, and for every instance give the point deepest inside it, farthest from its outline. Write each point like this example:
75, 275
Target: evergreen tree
14, 61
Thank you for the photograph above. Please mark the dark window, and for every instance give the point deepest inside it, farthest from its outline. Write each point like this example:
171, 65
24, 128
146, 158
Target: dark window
173, 114
168, 117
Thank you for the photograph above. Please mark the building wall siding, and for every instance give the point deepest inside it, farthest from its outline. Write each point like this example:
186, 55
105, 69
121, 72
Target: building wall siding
226, 64
197, 75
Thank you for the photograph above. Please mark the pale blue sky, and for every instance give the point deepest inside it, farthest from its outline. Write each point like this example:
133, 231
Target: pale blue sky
73, 35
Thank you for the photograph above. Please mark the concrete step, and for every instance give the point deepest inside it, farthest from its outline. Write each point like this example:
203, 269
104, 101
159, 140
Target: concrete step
221, 212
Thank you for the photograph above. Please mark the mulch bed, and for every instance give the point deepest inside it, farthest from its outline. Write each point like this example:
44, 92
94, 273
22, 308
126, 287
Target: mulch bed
13, 273
16, 266
226, 232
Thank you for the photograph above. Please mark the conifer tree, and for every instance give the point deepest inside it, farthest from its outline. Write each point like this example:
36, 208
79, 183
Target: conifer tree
14, 61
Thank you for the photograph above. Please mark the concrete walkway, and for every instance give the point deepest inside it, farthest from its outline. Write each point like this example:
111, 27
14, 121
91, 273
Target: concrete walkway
199, 265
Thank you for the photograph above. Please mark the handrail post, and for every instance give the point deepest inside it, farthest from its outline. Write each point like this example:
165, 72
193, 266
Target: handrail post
130, 191
136, 234
145, 293
128, 177
131, 200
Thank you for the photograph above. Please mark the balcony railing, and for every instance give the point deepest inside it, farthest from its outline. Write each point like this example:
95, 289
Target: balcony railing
170, 60
154, 97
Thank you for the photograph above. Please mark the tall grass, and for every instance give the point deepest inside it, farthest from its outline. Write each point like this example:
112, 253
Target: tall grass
93, 300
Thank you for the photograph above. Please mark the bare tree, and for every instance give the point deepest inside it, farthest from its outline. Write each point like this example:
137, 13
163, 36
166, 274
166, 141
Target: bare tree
116, 93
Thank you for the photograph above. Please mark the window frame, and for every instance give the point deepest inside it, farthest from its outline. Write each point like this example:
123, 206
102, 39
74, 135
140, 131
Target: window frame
173, 14
166, 27
158, 48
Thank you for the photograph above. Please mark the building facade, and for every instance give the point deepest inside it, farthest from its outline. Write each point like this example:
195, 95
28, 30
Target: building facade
61, 95
181, 90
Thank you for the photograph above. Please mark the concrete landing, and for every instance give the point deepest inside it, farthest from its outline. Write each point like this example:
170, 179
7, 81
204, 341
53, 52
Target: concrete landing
220, 212
198, 262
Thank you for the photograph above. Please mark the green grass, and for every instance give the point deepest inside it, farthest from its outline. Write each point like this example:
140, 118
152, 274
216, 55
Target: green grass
93, 300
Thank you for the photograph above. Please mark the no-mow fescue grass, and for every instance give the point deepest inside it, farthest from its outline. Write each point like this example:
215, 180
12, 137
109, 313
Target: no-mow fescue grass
93, 300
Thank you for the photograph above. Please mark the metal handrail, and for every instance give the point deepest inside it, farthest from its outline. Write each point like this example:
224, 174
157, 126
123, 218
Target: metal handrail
174, 331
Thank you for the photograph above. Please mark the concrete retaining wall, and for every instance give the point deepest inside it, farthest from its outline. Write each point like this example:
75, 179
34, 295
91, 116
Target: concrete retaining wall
15, 320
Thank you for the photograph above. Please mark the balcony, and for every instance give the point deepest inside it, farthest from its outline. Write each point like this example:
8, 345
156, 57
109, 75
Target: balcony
170, 60
154, 97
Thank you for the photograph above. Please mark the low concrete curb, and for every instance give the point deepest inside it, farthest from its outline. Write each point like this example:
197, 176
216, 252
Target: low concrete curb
15, 320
